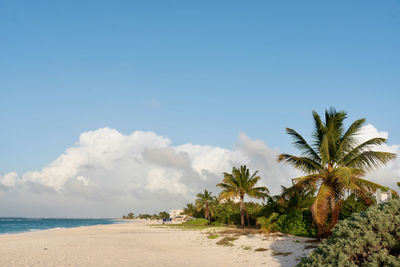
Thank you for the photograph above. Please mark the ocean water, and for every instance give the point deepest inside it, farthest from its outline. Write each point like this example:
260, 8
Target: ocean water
18, 225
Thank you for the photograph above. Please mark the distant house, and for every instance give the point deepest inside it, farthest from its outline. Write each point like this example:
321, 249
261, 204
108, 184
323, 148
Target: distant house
383, 196
175, 213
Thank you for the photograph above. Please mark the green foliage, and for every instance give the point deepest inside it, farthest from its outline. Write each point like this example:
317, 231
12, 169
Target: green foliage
352, 205
190, 210
163, 215
370, 238
254, 210
212, 236
197, 222
206, 202
267, 224
240, 183
335, 163
228, 212
296, 222
144, 216
227, 241
129, 216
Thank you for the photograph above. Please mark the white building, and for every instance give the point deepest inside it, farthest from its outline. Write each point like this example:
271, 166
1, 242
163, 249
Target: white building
383, 196
175, 213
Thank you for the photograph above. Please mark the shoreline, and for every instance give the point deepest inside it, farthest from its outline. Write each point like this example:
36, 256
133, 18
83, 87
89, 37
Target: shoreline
30, 230
139, 244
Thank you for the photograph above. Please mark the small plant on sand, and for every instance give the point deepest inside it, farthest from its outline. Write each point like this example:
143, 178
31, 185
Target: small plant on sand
197, 222
267, 224
212, 236
281, 253
227, 241
260, 249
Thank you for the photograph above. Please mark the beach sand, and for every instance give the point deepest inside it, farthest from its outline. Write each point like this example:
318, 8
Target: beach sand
139, 244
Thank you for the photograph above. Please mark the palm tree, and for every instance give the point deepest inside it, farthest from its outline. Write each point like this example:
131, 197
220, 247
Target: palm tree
239, 183
207, 202
189, 210
334, 165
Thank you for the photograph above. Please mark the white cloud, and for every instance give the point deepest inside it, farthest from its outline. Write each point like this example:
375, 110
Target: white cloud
9, 179
390, 174
108, 173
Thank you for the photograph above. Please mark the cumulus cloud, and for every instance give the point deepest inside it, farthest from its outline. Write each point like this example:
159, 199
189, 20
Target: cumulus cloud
107, 174
390, 174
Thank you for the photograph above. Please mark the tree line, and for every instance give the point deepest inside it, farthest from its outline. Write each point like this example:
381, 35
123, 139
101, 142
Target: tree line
333, 185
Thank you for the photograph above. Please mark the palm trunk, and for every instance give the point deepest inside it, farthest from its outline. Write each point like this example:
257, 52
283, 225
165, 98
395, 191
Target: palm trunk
206, 213
247, 216
242, 211
335, 214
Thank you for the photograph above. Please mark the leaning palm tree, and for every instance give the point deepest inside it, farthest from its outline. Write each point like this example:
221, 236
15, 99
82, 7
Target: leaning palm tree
334, 165
207, 202
240, 183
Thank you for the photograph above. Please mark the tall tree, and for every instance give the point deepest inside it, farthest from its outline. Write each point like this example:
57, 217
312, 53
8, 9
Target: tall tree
334, 165
240, 183
207, 202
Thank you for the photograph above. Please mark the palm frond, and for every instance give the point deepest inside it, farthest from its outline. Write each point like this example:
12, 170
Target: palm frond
370, 160
302, 145
321, 206
307, 182
365, 146
348, 140
302, 163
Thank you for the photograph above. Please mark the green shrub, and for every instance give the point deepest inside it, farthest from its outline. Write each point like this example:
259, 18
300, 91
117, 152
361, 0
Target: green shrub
197, 222
228, 213
370, 238
350, 206
296, 222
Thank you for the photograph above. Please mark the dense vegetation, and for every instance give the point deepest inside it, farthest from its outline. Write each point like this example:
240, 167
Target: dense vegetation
161, 215
370, 238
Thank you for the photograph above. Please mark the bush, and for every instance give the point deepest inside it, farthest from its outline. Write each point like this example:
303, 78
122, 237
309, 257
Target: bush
228, 213
197, 222
296, 222
350, 206
369, 238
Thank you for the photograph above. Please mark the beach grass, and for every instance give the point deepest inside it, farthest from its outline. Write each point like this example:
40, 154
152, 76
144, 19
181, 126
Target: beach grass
227, 241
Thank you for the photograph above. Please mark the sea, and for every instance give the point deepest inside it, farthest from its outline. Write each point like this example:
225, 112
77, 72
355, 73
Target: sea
19, 225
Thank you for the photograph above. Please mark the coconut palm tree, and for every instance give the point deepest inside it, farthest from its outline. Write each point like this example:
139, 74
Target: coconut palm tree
334, 165
189, 210
240, 183
207, 202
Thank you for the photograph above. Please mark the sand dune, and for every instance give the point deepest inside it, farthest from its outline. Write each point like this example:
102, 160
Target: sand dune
138, 244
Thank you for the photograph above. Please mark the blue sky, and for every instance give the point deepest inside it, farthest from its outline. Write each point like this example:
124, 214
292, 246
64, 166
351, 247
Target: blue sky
197, 72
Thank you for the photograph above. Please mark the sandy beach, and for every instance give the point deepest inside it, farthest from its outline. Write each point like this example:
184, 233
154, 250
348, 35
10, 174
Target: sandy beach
139, 244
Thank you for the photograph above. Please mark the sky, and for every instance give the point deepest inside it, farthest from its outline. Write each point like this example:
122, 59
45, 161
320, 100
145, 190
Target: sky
112, 107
